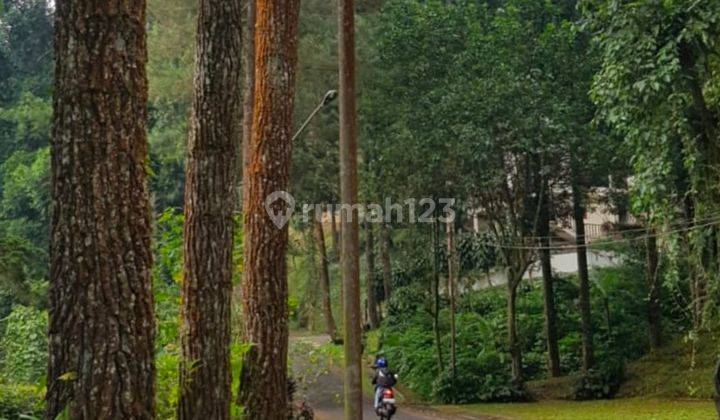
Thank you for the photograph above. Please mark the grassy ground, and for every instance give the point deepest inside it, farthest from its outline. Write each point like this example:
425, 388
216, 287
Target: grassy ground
679, 370
683, 369
673, 383
626, 409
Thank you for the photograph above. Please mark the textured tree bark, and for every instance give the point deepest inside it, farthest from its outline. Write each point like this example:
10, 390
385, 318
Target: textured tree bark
653, 284
213, 142
350, 243
263, 387
335, 233
584, 280
370, 276
551, 335
102, 327
248, 89
330, 327
248, 64
453, 273
385, 260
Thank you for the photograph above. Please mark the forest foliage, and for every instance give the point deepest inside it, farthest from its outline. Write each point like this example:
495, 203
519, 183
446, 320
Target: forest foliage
479, 100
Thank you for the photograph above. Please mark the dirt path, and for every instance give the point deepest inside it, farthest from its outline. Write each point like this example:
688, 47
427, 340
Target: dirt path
322, 387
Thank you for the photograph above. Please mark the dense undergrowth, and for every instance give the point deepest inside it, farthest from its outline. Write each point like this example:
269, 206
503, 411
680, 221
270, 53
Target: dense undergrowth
406, 338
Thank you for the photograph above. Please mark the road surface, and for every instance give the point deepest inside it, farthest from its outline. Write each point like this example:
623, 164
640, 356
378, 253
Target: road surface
322, 388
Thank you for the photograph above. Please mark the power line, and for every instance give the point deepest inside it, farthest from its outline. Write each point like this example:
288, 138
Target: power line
711, 216
605, 243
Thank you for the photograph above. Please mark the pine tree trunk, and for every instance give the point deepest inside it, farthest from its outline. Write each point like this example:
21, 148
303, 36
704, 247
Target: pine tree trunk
584, 279
335, 233
263, 388
350, 255
385, 260
370, 275
551, 335
308, 304
653, 285
102, 327
513, 342
209, 204
248, 84
330, 327
336, 243
248, 65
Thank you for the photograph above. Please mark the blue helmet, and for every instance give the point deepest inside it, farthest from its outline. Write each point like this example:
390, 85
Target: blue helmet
381, 362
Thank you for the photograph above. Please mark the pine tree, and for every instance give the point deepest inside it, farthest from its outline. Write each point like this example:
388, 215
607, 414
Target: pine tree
263, 390
101, 304
215, 136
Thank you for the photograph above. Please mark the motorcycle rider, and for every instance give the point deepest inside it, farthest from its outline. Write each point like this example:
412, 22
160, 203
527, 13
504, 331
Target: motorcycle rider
383, 378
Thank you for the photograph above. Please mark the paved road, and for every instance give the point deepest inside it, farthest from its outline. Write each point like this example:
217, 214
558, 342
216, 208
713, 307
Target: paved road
324, 393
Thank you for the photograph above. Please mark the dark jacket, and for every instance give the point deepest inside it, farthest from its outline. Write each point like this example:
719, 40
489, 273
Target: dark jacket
384, 377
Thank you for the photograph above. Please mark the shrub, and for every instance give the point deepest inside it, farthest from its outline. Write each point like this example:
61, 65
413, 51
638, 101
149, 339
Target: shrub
570, 348
24, 345
168, 393
483, 303
601, 382
404, 302
461, 390
21, 401
479, 379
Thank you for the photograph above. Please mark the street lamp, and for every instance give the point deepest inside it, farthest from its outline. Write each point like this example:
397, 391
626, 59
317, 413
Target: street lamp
329, 97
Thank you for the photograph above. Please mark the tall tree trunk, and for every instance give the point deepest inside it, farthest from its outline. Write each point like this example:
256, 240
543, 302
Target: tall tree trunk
385, 260
453, 273
308, 305
330, 327
370, 276
435, 292
335, 233
513, 280
653, 285
102, 326
349, 220
248, 90
583, 277
248, 64
263, 388
551, 335
213, 143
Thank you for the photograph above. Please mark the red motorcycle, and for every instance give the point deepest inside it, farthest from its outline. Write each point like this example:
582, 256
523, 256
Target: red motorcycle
387, 404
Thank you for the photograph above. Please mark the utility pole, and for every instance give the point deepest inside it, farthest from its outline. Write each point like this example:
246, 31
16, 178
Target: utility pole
349, 219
